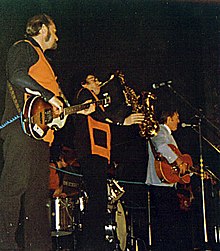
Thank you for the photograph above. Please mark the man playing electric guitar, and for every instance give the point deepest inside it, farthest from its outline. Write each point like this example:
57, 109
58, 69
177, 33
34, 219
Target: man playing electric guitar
25, 175
164, 144
167, 225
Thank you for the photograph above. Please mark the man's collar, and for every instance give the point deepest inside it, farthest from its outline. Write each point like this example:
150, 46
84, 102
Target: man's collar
34, 42
167, 127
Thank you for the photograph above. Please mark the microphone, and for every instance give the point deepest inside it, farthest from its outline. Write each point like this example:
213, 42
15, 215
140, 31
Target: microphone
188, 125
158, 85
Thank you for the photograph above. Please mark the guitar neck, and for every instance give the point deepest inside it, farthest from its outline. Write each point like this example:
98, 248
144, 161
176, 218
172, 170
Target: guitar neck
77, 108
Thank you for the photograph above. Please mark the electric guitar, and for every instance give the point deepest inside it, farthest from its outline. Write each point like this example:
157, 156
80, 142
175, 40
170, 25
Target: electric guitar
170, 173
38, 116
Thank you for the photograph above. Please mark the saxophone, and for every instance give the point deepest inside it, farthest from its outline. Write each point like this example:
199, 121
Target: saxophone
150, 126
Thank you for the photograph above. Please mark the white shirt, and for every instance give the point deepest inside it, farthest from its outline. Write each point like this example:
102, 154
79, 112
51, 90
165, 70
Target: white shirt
160, 142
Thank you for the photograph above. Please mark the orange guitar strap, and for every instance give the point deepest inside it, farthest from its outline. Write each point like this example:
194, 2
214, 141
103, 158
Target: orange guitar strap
97, 99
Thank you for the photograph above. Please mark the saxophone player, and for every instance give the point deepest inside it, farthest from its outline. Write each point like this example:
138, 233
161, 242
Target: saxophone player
92, 142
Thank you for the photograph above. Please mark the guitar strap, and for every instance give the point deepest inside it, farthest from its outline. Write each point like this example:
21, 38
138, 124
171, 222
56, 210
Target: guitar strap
15, 101
155, 153
13, 96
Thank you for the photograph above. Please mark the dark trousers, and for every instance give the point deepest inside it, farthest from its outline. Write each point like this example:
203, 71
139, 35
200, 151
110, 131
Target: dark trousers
169, 224
94, 176
24, 193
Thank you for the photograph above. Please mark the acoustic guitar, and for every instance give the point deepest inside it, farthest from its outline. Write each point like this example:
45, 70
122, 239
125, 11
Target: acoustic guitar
38, 116
170, 173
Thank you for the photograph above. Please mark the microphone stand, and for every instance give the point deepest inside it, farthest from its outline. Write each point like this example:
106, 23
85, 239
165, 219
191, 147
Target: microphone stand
201, 164
200, 116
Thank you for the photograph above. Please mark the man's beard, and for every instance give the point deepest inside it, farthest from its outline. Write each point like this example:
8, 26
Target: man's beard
54, 45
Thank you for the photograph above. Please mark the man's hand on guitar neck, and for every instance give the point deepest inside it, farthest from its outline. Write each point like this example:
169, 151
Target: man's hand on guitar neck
90, 109
57, 105
182, 165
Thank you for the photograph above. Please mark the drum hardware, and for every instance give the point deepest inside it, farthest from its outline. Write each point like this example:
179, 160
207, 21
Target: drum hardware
110, 230
116, 229
82, 200
62, 220
115, 191
66, 213
65, 216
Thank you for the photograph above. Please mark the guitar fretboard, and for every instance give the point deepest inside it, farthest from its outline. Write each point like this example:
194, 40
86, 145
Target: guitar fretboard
77, 108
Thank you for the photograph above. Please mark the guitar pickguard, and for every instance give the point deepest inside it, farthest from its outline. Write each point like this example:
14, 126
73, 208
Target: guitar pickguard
57, 123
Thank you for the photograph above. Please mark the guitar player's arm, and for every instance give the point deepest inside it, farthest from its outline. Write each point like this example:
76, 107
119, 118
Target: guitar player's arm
161, 142
18, 74
18, 71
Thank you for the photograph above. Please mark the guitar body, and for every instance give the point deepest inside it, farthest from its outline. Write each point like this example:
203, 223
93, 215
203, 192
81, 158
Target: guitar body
170, 173
37, 117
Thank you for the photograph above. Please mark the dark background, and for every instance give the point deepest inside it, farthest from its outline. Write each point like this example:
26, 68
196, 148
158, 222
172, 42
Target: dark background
150, 42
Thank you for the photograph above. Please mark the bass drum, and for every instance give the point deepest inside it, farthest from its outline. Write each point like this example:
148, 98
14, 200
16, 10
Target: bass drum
121, 228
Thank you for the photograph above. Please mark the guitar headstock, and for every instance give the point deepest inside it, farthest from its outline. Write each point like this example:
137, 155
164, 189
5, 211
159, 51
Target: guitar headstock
106, 100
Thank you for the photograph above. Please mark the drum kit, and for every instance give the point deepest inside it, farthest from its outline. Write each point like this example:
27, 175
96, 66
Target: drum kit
67, 208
